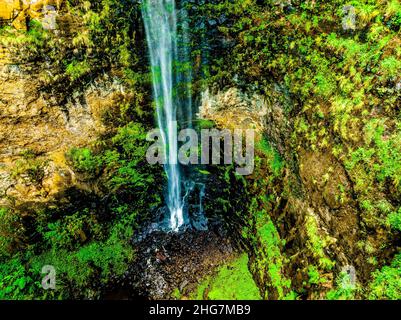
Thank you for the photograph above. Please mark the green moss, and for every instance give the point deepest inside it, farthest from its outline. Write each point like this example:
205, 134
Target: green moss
394, 219
386, 282
270, 258
390, 67
201, 289
83, 160
232, 282
314, 275
176, 294
33, 39
205, 124
81, 268
76, 69
30, 168
274, 159
317, 244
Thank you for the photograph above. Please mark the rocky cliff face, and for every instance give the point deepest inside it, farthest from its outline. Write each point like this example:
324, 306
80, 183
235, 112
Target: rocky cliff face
319, 217
318, 223
18, 13
330, 80
38, 126
74, 185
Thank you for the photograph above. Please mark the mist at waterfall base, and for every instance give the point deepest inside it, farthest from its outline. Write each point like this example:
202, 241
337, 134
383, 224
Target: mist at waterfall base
168, 44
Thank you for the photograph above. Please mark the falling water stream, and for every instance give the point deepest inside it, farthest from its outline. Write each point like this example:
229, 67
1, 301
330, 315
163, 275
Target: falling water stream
166, 38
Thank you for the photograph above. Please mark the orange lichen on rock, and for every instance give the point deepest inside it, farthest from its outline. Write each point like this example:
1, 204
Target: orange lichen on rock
9, 8
17, 13
232, 109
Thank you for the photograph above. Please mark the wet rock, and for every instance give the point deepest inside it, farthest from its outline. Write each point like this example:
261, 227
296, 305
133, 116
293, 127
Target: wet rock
234, 109
38, 128
183, 285
167, 261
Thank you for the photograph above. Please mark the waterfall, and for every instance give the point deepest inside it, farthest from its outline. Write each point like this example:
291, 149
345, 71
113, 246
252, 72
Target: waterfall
171, 75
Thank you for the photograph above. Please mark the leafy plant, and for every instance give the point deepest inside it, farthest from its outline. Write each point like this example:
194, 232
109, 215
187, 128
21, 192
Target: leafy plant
15, 282
345, 288
386, 282
77, 69
11, 233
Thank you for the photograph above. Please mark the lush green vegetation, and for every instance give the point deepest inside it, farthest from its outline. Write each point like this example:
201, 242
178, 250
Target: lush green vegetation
232, 282
87, 237
345, 289
34, 39
386, 282
85, 248
341, 76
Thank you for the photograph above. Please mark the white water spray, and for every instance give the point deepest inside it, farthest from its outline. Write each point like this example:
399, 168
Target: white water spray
166, 57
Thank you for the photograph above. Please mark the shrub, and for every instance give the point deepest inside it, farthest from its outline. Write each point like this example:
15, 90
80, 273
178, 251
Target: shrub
70, 231
83, 160
77, 69
31, 169
386, 282
274, 159
15, 282
394, 219
11, 232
